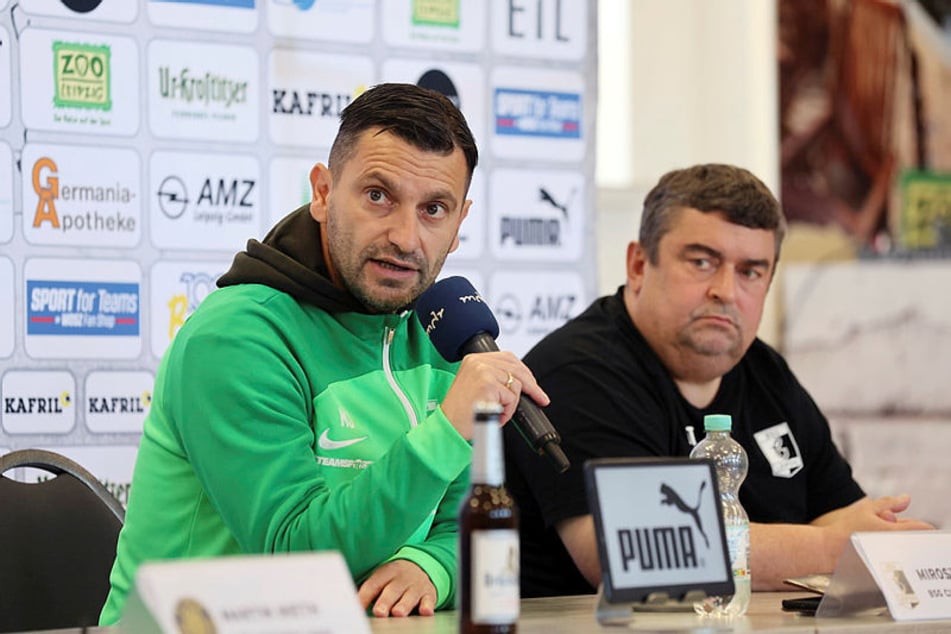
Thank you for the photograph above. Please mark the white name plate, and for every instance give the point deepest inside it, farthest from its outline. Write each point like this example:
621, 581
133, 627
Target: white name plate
263, 594
909, 571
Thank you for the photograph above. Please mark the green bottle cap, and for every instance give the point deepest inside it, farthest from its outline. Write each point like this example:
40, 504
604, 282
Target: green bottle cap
717, 422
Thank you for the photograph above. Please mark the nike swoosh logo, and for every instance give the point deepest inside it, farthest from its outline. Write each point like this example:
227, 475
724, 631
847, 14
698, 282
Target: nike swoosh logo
325, 442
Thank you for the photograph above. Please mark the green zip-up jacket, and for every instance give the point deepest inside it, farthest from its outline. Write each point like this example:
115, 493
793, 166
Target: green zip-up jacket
285, 417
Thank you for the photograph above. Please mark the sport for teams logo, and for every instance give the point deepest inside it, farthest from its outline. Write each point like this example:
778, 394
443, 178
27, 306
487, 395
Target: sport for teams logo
82, 76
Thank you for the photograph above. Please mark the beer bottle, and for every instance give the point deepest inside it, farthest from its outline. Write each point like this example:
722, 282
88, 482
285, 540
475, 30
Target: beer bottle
488, 536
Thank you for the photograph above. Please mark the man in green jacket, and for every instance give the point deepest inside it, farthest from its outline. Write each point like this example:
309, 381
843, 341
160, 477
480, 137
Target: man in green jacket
302, 407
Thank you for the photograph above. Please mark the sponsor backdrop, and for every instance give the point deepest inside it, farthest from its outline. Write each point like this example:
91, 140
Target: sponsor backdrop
143, 142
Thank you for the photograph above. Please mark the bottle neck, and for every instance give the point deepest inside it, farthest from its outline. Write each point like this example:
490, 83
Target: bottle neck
717, 434
488, 466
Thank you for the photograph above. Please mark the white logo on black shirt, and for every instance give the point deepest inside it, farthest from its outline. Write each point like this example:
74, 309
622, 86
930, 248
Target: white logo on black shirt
779, 446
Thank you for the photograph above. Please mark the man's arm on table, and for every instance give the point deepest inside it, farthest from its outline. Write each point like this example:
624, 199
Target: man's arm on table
777, 551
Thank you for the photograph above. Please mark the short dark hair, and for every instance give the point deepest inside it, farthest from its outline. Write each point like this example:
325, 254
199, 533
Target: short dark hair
712, 187
422, 117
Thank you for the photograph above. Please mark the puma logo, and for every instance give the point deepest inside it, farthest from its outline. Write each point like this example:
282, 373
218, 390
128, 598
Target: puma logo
672, 498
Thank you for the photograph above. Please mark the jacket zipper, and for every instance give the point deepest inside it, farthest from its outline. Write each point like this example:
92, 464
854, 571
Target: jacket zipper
388, 335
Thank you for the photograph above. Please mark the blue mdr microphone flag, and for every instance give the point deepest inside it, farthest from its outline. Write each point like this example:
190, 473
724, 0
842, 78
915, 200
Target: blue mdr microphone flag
459, 322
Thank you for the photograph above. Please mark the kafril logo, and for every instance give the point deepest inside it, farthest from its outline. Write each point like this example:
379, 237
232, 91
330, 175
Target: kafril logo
33, 404
436, 13
81, 76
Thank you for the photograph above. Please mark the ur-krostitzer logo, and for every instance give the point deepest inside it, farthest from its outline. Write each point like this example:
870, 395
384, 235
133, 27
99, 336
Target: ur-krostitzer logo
206, 91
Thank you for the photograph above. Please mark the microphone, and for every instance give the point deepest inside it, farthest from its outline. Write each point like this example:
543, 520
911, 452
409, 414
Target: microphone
459, 322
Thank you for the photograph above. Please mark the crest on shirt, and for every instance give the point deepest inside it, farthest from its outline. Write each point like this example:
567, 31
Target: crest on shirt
781, 450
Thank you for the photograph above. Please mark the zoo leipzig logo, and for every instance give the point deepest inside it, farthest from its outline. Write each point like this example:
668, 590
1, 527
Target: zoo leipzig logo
81, 76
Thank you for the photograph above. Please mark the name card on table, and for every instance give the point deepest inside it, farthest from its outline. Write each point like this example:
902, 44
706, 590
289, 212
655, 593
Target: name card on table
264, 594
907, 571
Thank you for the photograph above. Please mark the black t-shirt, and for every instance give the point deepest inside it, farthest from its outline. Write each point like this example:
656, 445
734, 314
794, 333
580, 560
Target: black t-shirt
611, 396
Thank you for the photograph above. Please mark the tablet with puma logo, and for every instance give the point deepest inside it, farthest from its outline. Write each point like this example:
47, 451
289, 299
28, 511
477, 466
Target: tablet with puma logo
659, 527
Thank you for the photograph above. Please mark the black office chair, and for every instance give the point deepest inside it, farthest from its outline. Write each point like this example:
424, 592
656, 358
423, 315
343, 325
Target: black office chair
57, 544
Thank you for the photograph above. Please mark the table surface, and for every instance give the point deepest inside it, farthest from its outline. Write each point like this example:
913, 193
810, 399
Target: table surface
576, 615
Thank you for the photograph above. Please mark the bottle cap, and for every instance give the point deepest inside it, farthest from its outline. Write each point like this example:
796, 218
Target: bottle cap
717, 422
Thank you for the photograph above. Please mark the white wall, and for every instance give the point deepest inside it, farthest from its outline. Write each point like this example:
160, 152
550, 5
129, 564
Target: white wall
691, 81
680, 82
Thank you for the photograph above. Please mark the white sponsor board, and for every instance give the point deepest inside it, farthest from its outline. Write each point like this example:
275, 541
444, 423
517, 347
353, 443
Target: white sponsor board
239, 16
537, 215
530, 304
472, 230
308, 91
82, 309
104, 10
323, 20
71, 200
204, 201
6, 193
111, 465
176, 290
544, 29
463, 83
38, 401
6, 80
79, 82
117, 401
456, 26
289, 183
7, 308
203, 91
537, 115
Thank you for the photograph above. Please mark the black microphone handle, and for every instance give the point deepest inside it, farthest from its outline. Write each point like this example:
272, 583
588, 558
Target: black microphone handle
529, 419
538, 432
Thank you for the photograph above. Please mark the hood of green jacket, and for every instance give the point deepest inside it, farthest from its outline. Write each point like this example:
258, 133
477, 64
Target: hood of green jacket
290, 259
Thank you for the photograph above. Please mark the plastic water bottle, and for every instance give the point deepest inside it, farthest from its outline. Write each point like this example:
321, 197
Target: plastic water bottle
731, 464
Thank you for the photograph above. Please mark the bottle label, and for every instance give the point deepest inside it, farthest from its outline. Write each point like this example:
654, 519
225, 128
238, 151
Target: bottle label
495, 590
738, 541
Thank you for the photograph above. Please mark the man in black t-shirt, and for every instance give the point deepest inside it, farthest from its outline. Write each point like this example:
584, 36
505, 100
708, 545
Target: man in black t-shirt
635, 374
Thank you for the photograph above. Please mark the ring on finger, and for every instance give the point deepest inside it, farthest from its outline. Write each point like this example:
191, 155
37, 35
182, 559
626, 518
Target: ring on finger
509, 381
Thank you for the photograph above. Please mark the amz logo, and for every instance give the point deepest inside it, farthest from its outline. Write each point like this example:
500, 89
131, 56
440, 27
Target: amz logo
82, 76
236, 193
